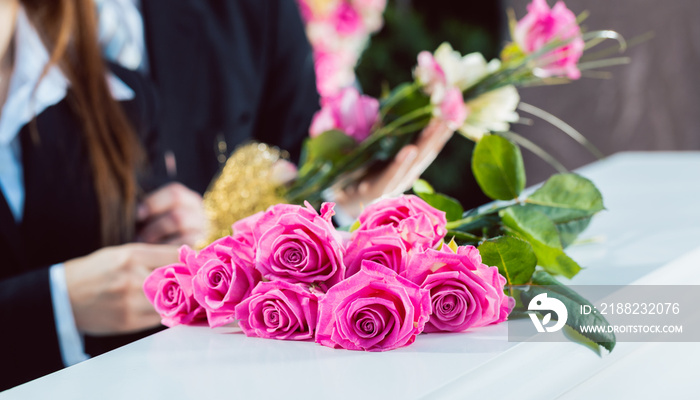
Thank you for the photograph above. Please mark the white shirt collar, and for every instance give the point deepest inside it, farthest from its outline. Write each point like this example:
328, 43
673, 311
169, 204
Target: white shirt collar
23, 101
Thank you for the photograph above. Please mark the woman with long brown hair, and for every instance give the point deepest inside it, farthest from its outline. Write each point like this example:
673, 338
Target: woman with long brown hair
74, 145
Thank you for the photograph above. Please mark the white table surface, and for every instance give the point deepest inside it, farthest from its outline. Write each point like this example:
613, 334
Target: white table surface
649, 234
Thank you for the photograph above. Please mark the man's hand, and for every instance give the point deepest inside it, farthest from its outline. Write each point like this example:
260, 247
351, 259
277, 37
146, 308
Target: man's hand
106, 287
172, 214
399, 175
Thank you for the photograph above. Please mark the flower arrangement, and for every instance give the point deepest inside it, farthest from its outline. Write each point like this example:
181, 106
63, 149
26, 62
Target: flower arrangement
466, 93
288, 274
339, 31
522, 236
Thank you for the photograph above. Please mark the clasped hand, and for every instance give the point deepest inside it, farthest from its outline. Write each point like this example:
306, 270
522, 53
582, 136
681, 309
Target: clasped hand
106, 287
408, 165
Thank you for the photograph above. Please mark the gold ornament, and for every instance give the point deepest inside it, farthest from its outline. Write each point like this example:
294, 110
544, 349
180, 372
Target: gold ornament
244, 187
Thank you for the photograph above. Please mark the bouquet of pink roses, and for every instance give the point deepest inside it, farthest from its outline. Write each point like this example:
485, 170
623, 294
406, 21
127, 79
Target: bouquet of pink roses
524, 236
287, 273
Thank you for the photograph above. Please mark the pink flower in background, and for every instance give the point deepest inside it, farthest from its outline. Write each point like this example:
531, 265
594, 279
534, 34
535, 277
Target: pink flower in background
453, 111
338, 31
305, 11
382, 245
349, 112
300, 246
371, 11
540, 26
279, 310
225, 278
464, 292
430, 74
419, 224
283, 172
346, 19
170, 291
373, 310
376, 6
334, 70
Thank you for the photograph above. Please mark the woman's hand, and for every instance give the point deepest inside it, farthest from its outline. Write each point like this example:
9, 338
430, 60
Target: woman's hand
172, 214
399, 175
106, 287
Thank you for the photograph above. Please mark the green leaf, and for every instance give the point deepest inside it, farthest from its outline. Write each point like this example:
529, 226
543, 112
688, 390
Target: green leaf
538, 230
514, 258
422, 186
453, 210
542, 282
328, 146
477, 224
463, 238
569, 200
573, 335
498, 167
567, 196
569, 231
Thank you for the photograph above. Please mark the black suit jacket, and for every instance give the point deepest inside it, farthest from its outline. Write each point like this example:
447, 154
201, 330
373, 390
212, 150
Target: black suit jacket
227, 72
60, 222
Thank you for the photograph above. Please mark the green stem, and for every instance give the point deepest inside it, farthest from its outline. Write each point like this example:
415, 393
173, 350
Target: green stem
453, 225
456, 224
404, 119
323, 179
400, 95
464, 236
409, 128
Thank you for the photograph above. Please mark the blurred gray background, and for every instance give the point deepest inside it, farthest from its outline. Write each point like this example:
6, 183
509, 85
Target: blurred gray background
653, 103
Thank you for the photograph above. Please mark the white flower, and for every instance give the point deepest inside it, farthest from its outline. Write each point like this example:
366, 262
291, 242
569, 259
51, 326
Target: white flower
463, 71
491, 112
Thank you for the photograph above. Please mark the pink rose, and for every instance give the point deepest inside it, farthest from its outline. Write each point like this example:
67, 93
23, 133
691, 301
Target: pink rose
453, 111
224, 279
346, 20
374, 6
382, 245
244, 233
299, 246
169, 289
498, 281
540, 26
305, 11
430, 74
334, 70
373, 310
279, 310
464, 292
419, 224
347, 111
372, 12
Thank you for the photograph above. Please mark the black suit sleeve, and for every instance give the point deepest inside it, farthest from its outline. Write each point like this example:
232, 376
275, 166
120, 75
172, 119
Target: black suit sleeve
142, 111
28, 339
289, 96
29, 346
